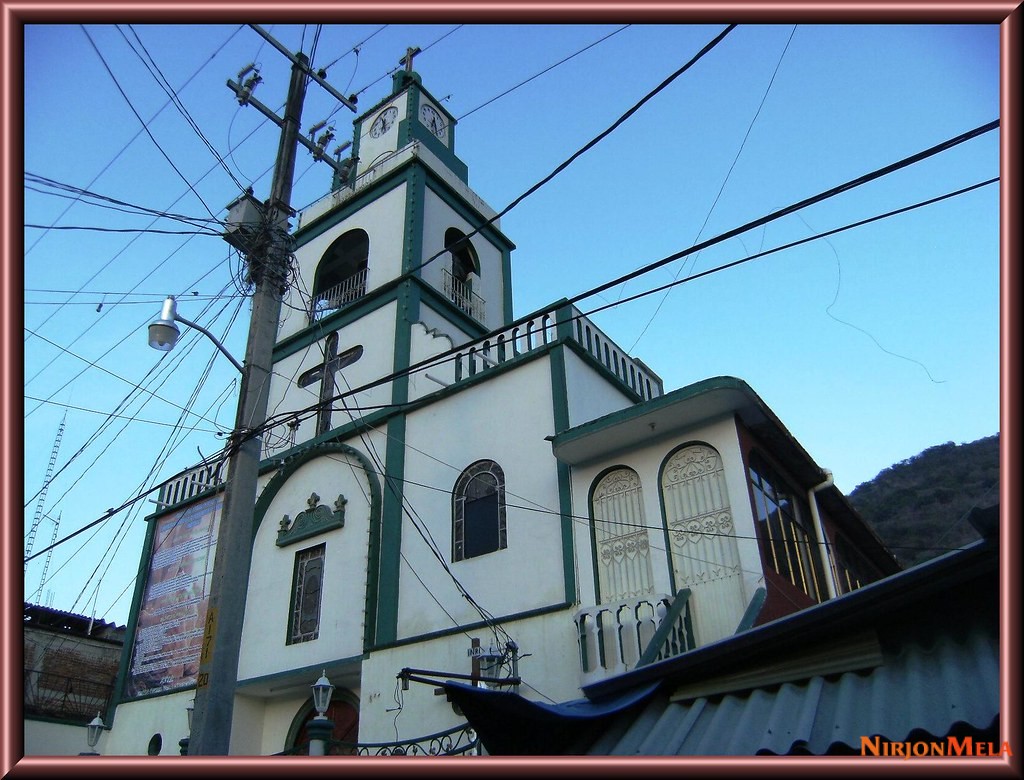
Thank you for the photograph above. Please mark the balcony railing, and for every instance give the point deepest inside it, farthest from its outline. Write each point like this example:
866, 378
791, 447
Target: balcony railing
613, 637
544, 329
462, 295
334, 298
191, 483
458, 741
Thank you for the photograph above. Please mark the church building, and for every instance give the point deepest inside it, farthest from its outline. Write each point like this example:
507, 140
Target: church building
449, 489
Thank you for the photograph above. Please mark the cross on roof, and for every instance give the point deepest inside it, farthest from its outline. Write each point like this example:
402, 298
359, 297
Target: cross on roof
407, 59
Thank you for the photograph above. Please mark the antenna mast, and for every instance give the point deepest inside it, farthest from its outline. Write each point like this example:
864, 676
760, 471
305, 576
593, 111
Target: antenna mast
42, 494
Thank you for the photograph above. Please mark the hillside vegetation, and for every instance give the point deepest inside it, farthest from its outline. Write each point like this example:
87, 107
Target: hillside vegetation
919, 506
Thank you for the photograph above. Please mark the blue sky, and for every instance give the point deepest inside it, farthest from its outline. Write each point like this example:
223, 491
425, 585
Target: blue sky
870, 346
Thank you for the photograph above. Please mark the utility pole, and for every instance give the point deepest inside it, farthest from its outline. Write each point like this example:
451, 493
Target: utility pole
268, 265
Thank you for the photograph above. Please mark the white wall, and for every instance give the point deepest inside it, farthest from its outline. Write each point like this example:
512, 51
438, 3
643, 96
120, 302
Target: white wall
590, 395
376, 334
438, 216
504, 421
646, 461
135, 723
43, 738
379, 219
264, 649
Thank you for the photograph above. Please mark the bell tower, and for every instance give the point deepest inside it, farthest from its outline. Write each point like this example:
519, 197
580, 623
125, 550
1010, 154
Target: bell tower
400, 254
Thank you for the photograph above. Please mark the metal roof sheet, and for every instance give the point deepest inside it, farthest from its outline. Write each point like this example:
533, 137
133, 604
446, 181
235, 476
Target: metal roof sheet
925, 686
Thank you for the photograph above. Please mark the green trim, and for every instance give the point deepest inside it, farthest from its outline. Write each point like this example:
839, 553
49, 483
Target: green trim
469, 213
560, 415
511, 618
661, 505
382, 186
668, 623
389, 552
590, 509
752, 611
412, 244
141, 580
373, 301
290, 466
712, 384
506, 273
316, 520
312, 671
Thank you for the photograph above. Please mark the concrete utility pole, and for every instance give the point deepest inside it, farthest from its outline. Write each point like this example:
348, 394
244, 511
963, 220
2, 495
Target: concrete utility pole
268, 267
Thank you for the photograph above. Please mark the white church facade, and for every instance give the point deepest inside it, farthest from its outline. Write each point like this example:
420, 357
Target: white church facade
438, 471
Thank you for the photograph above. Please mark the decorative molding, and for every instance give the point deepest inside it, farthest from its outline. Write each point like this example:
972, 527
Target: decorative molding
317, 519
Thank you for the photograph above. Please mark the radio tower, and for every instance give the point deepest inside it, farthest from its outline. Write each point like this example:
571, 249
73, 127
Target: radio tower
42, 494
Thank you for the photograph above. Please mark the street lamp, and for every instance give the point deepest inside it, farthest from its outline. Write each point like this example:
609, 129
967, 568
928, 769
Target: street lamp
183, 743
163, 333
92, 731
320, 728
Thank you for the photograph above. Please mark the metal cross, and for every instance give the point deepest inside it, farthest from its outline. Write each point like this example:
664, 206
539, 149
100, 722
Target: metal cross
407, 59
324, 374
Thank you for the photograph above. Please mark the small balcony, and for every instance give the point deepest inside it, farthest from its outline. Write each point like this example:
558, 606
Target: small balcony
463, 296
338, 296
620, 636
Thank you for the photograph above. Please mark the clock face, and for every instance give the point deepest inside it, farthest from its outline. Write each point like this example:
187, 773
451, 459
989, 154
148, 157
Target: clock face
434, 121
385, 119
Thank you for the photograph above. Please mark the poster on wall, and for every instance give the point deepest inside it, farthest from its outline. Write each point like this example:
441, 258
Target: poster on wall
169, 632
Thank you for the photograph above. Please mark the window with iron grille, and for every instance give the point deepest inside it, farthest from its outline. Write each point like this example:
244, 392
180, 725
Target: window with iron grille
307, 588
478, 511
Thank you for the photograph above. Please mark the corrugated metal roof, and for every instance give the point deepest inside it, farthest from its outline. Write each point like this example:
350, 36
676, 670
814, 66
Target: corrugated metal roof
921, 687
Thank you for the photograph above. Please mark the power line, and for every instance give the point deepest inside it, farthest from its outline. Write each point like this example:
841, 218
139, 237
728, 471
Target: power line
145, 127
589, 145
115, 416
139, 132
454, 352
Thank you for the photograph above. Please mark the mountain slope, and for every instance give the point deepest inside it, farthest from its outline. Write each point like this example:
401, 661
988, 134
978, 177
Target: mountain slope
919, 506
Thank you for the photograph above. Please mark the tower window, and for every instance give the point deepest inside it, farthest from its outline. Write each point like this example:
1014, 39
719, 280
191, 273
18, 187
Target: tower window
341, 276
478, 511
458, 278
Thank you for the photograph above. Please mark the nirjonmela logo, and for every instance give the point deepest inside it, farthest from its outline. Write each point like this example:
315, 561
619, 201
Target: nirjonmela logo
950, 746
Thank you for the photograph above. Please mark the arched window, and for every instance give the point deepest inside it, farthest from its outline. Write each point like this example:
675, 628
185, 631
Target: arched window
478, 511
458, 279
702, 538
341, 275
464, 259
621, 547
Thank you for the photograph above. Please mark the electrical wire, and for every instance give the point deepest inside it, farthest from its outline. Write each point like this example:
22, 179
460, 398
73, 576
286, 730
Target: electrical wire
139, 132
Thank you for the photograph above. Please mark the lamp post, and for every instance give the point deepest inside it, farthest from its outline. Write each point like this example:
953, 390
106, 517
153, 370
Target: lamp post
268, 264
321, 727
183, 743
92, 734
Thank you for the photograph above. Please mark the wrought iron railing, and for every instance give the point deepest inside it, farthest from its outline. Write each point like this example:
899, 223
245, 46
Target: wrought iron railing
341, 294
462, 295
457, 741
